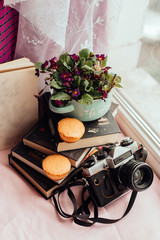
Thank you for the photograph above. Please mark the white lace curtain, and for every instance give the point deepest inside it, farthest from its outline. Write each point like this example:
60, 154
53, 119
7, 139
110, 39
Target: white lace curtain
48, 28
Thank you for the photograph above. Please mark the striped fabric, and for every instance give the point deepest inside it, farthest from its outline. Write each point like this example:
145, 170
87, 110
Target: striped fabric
8, 32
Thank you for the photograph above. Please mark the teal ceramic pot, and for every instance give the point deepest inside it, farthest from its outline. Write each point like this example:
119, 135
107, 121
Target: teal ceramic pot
84, 113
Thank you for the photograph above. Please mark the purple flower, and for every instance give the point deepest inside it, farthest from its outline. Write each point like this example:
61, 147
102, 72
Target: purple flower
91, 55
53, 60
106, 69
53, 63
75, 57
68, 79
44, 65
77, 71
66, 84
64, 75
103, 92
58, 102
98, 77
100, 57
76, 92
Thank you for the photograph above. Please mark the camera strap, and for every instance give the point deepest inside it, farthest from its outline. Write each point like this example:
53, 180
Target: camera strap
82, 214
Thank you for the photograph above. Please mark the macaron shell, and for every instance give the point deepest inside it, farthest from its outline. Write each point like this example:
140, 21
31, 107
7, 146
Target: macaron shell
70, 129
56, 166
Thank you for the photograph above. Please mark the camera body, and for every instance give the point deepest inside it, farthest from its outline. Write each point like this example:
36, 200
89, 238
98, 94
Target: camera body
114, 169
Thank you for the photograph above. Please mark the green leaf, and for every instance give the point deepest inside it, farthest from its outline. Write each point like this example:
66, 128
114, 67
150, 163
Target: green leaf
56, 76
89, 63
76, 82
84, 53
85, 83
118, 79
38, 65
105, 87
55, 85
117, 85
104, 62
59, 82
70, 62
61, 96
77, 79
87, 68
93, 59
82, 61
96, 94
103, 76
109, 78
86, 99
67, 66
88, 85
63, 57
89, 89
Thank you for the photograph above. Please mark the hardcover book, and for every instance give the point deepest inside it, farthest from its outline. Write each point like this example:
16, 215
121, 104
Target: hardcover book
44, 185
44, 136
41, 183
34, 158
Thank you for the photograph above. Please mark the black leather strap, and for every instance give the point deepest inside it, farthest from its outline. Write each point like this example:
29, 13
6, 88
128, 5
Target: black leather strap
81, 215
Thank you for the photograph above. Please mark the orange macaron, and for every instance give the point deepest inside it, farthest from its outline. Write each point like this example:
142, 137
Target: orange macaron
70, 129
56, 166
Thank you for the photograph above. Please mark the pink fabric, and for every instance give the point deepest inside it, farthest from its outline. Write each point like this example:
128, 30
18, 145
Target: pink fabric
8, 32
69, 25
24, 214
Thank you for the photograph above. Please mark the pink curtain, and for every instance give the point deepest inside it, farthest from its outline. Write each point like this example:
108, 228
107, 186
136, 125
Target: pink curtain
48, 28
8, 32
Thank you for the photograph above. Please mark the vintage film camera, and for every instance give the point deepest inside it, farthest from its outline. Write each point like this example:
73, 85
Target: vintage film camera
115, 169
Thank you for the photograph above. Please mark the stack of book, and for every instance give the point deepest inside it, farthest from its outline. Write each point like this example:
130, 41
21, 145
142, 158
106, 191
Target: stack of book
43, 139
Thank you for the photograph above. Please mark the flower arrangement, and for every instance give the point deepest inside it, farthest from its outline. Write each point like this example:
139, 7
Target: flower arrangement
83, 77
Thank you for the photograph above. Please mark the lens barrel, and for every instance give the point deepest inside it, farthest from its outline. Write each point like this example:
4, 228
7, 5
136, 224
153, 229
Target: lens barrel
137, 176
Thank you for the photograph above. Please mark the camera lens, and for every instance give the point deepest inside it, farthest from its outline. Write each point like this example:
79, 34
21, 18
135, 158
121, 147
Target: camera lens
137, 176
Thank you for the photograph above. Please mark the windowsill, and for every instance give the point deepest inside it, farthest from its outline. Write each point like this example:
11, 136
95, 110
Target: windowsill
142, 92
131, 124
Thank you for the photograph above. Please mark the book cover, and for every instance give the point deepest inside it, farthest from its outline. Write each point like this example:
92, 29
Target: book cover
45, 135
34, 158
41, 183
44, 185
18, 108
40, 138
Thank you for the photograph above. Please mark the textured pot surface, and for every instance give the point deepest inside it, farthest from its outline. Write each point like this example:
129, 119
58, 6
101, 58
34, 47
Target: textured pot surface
84, 112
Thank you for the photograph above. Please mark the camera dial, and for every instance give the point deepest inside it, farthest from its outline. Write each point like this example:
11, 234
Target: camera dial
126, 141
101, 155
